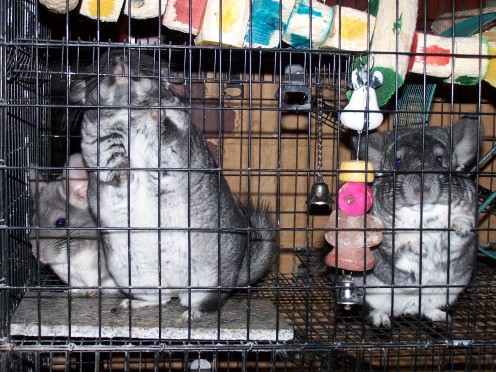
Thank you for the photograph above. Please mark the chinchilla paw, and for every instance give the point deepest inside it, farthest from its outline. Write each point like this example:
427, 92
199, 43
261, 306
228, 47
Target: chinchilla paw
380, 318
437, 315
195, 315
124, 304
145, 302
85, 292
461, 229
135, 304
117, 175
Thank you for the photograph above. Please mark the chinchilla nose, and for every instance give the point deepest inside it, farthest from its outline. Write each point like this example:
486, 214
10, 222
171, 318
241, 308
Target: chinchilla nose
420, 189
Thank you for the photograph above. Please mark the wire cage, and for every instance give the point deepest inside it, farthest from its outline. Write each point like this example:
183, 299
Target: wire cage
269, 116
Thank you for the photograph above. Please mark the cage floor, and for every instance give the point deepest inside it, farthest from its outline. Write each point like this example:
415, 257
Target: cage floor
291, 309
48, 314
310, 306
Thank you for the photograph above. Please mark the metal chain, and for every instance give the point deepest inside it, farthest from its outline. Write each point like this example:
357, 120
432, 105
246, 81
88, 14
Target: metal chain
320, 105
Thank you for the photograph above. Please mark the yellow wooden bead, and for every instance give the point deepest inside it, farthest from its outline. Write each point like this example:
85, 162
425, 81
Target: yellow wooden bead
356, 171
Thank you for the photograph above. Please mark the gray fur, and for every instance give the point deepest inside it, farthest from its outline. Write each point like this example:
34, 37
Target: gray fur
154, 172
65, 249
429, 212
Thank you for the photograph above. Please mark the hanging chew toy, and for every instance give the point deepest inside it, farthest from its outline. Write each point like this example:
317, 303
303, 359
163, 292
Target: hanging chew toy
361, 113
351, 233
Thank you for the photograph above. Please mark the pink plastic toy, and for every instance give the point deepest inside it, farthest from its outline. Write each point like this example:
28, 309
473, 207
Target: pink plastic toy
355, 198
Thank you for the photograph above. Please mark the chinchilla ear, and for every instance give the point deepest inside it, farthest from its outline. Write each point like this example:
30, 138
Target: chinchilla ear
78, 183
467, 136
36, 183
372, 148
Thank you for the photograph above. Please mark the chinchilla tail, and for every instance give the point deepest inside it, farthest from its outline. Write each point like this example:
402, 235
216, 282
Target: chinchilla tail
315, 261
262, 249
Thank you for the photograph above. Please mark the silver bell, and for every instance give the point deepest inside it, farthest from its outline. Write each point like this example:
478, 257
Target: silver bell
347, 293
319, 195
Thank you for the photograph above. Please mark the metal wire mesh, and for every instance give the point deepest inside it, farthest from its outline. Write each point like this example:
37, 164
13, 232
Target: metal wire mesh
263, 148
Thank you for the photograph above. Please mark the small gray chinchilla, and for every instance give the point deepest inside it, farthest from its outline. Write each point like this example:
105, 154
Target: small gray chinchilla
50, 243
429, 210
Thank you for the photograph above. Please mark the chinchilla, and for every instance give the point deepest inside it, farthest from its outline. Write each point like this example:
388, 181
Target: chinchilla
65, 238
427, 200
171, 225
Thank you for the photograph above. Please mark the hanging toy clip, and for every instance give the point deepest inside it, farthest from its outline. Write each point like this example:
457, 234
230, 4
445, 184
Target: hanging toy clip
362, 112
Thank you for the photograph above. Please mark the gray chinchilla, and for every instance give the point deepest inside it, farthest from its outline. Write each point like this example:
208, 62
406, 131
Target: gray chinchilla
428, 205
171, 225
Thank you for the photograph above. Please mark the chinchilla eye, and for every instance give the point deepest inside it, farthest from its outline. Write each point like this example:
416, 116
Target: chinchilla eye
61, 222
440, 159
398, 163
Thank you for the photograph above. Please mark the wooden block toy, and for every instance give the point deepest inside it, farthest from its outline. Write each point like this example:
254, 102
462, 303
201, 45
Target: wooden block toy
469, 68
60, 6
177, 15
393, 34
432, 54
107, 11
224, 26
145, 8
351, 30
301, 32
491, 69
269, 18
